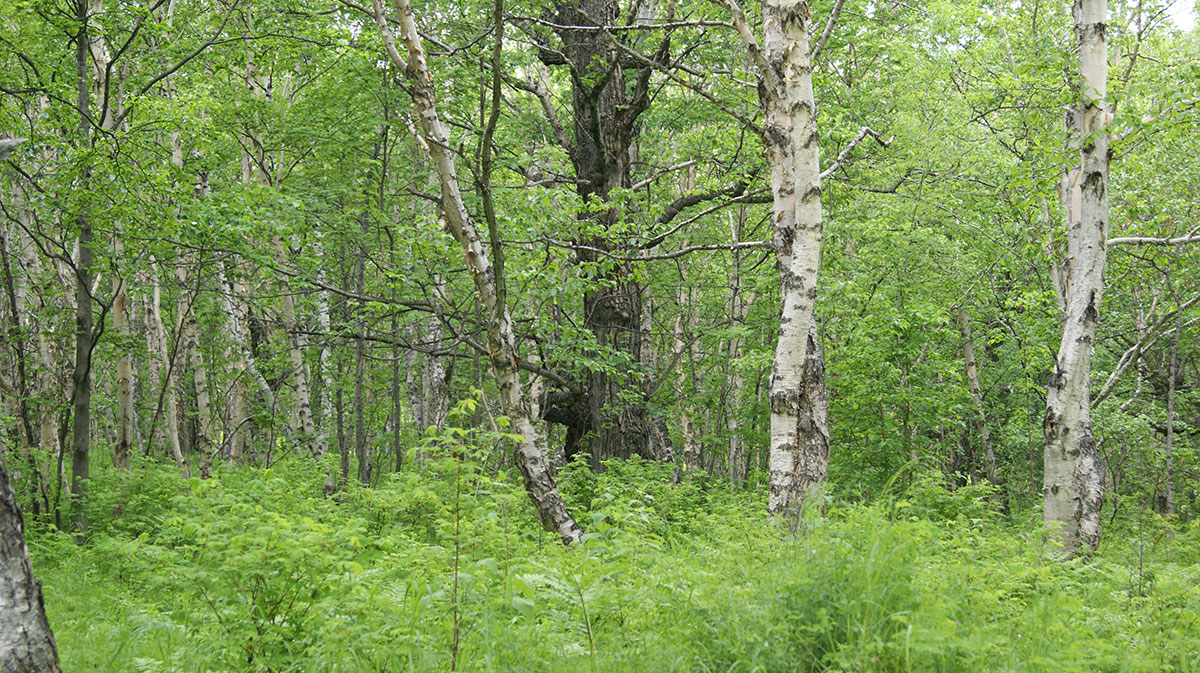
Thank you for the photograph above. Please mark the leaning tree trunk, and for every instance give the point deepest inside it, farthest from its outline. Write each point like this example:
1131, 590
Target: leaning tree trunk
26, 642
1073, 480
501, 340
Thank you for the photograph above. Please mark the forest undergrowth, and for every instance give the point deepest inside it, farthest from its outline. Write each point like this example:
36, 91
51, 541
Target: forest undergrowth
442, 567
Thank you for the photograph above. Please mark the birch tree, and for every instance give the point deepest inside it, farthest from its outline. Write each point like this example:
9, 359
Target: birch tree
530, 453
1073, 478
799, 449
26, 642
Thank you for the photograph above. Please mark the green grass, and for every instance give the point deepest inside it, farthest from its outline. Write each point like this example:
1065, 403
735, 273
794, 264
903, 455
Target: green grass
255, 571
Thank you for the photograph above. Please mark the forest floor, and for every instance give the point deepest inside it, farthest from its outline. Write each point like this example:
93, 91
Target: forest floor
444, 568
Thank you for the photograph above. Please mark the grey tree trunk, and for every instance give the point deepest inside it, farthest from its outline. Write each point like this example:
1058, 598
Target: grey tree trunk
1073, 478
501, 340
361, 449
685, 324
81, 375
126, 419
1172, 384
190, 345
26, 642
738, 308
157, 335
979, 418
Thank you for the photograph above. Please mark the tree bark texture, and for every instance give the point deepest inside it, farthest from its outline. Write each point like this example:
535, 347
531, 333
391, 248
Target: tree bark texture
26, 642
685, 325
1073, 478
1172, 385
126, 419
501, 340
81, 375
606, 109
157, 334
738, 309
190, 344
799, 448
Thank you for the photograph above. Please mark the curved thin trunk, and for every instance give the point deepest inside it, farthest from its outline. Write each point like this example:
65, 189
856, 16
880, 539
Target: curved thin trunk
501, 340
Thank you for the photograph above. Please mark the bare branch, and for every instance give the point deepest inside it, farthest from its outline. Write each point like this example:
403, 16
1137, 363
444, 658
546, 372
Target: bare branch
841, 157
668, 215
1179, 106
1148, 240
661, 173
669, 25
829, 26
743, 28
701, 91
1130, 356
675, 254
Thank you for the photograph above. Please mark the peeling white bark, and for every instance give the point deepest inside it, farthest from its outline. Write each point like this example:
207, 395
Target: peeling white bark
1073, 481
799, 449
26, 642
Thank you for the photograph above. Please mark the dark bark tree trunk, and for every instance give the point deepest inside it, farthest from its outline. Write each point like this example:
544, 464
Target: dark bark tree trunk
606, 111
361, 450
81, 375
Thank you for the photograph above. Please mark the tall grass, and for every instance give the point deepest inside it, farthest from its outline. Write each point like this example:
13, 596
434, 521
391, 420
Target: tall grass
255, 571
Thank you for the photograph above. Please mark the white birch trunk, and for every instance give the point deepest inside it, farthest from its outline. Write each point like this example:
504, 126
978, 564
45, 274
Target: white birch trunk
684, 357
324, 373
47, 378
799, 448
738, 308
303, 401
190, 345
501, 341
156, 334
236, 319
26, 642
1073, 480
433, 381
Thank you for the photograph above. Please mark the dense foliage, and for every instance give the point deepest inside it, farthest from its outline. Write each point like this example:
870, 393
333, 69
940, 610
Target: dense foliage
249, 394
254, 570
